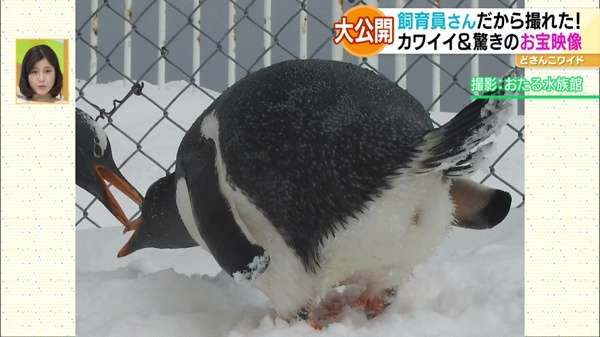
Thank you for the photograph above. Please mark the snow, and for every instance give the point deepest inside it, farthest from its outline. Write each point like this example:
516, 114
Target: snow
256, 267
473, 286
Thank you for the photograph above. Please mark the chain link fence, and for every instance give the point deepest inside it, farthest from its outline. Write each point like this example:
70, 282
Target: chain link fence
137, 125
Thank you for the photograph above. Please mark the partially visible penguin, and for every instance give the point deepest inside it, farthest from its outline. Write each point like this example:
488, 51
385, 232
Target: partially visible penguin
311, 174
95, 167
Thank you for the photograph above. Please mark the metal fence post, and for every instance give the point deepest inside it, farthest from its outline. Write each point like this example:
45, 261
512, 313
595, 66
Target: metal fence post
303, 38
162, 32
196, 42
231, 43
475, 60
127, 43
337, 51
373, 60
435, 83
267, 33
94, 41
400, 59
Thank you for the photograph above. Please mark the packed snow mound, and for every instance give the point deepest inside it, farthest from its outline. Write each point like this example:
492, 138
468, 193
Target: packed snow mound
473, 286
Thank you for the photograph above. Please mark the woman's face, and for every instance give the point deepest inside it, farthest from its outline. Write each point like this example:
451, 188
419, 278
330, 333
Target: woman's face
41, 78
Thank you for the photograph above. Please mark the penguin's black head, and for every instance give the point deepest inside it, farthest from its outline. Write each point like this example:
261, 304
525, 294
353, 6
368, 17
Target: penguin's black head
95, 168
160, 226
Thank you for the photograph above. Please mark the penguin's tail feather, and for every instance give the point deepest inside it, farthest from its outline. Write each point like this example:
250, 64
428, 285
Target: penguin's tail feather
459, 147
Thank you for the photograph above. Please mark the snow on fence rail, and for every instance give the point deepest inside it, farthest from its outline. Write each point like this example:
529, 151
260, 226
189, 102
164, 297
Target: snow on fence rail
225, 45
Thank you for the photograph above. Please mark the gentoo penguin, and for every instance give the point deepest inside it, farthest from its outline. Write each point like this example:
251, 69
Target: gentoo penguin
312, 174
95, 167
162, 226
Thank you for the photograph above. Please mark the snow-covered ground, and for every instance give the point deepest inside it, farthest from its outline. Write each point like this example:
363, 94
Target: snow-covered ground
473, 286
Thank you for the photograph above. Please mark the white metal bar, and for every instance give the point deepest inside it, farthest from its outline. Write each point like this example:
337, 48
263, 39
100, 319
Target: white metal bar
94, 42
475, 66
475, 60
303, 49
162, 30
435, 83
399, 69
513, 107
373, 60
435, 77
127, 43
231, 43
400, 59
196, 43
267, 34
337, 51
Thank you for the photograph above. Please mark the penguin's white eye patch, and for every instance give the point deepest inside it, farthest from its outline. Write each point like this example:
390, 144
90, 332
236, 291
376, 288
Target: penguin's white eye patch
100, 138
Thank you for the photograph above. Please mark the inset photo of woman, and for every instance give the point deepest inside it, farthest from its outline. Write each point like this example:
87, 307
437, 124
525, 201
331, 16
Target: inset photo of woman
40, 66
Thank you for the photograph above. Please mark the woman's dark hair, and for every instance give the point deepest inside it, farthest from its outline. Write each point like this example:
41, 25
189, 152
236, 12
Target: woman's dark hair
32, 56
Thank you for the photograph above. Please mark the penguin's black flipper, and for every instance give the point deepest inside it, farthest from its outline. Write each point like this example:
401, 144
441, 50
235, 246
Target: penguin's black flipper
222, 234
454, 147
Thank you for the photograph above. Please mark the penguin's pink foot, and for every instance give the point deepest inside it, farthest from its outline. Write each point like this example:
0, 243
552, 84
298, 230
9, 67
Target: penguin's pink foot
315, 325
372, 306
328, 311
332, 307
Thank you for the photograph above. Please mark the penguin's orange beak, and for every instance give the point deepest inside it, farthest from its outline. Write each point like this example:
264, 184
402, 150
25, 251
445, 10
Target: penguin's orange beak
109, 177
126, 249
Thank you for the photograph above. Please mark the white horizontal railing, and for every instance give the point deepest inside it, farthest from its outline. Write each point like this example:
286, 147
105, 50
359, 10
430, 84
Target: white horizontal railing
337, 51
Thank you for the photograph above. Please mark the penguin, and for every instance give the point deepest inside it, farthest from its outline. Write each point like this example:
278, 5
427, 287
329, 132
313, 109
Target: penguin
95, 167
312, 174
162, 226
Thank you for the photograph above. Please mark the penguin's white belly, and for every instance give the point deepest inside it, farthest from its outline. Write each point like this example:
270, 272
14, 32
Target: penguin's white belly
398, 230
